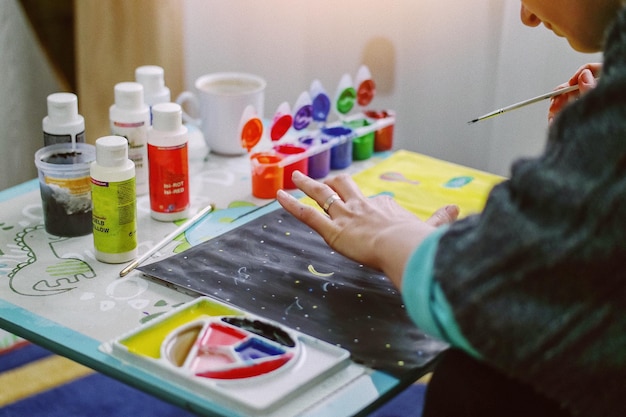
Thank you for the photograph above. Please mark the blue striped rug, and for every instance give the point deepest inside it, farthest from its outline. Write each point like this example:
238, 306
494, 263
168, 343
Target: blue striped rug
37, 383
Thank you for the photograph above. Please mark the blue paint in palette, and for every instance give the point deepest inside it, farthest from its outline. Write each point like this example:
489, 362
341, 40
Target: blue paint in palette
253, 349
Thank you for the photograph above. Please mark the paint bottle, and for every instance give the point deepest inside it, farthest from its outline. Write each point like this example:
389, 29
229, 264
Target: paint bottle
152, 77
114, 201
168, 164
63, 124
130, 118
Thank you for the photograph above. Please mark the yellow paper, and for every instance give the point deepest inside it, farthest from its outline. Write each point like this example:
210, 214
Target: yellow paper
422, 184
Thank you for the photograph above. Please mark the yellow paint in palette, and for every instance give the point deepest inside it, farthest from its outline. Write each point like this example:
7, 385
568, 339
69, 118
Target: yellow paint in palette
148, 342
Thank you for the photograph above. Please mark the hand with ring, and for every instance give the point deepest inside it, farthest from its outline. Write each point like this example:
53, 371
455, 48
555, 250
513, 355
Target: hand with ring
329, 201
374, 231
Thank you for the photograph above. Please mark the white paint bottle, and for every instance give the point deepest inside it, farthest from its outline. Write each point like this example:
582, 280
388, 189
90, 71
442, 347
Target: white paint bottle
114, 201
168, 164
130, 118
63, 124
152, 78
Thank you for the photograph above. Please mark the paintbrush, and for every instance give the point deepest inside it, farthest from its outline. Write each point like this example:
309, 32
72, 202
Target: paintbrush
167, 239
525, 103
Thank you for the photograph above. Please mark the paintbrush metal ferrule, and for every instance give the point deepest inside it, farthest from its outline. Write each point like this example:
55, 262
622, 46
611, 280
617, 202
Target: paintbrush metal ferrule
167, 239
525, 103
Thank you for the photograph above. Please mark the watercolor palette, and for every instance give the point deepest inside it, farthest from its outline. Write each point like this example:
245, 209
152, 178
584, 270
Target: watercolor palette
240, 360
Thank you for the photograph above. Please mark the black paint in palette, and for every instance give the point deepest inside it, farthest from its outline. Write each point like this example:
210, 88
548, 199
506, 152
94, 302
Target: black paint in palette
260, 328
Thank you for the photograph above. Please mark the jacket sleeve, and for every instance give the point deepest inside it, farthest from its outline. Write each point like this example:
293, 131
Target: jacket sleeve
424, 300
537, 281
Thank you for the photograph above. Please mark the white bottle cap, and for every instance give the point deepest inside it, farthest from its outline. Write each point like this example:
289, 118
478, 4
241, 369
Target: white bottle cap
153, 80
63, 108
63, 117
129, 96
111, 151
167, 117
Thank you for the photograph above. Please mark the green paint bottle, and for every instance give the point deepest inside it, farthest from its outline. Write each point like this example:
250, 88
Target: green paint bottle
114, 201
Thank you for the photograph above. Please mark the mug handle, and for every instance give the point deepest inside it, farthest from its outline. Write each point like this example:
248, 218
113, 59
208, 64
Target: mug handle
194, 106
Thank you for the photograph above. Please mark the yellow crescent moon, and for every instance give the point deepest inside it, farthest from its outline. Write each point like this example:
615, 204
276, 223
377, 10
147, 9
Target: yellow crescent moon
319, 274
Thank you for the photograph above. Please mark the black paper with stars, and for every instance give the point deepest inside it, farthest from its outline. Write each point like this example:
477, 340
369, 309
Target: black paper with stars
277, 267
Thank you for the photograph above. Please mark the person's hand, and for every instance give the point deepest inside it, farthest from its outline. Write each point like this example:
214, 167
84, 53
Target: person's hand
585, 78
374, 231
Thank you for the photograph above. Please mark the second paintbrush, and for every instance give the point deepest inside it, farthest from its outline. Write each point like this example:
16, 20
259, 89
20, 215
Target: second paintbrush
525, 103
180, 229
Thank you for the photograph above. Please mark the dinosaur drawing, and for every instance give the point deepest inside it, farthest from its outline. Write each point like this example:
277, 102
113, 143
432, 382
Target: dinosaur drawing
59, 277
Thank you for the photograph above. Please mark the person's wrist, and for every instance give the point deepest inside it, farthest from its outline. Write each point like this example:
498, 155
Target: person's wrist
394, 245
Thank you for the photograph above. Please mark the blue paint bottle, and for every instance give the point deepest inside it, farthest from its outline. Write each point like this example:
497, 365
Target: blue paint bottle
341, 153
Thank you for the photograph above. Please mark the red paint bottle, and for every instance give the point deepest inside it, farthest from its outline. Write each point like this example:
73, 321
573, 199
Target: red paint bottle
168, 164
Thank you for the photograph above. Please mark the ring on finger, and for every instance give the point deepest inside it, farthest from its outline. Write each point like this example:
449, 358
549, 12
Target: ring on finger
329, 202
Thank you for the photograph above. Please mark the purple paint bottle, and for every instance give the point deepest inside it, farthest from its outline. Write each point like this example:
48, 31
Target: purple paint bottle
319, 163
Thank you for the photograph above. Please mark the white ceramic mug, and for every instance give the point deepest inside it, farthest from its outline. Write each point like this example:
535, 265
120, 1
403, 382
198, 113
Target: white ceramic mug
220, 101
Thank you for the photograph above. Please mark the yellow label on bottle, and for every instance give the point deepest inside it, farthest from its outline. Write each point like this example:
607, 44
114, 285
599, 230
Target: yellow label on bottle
114, 215
74, 186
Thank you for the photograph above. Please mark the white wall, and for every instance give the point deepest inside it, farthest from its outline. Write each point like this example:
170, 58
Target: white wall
437, 63
25, 81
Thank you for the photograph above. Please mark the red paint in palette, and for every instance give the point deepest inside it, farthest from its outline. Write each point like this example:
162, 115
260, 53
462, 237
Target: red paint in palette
220, 334
253, 370
230, 352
